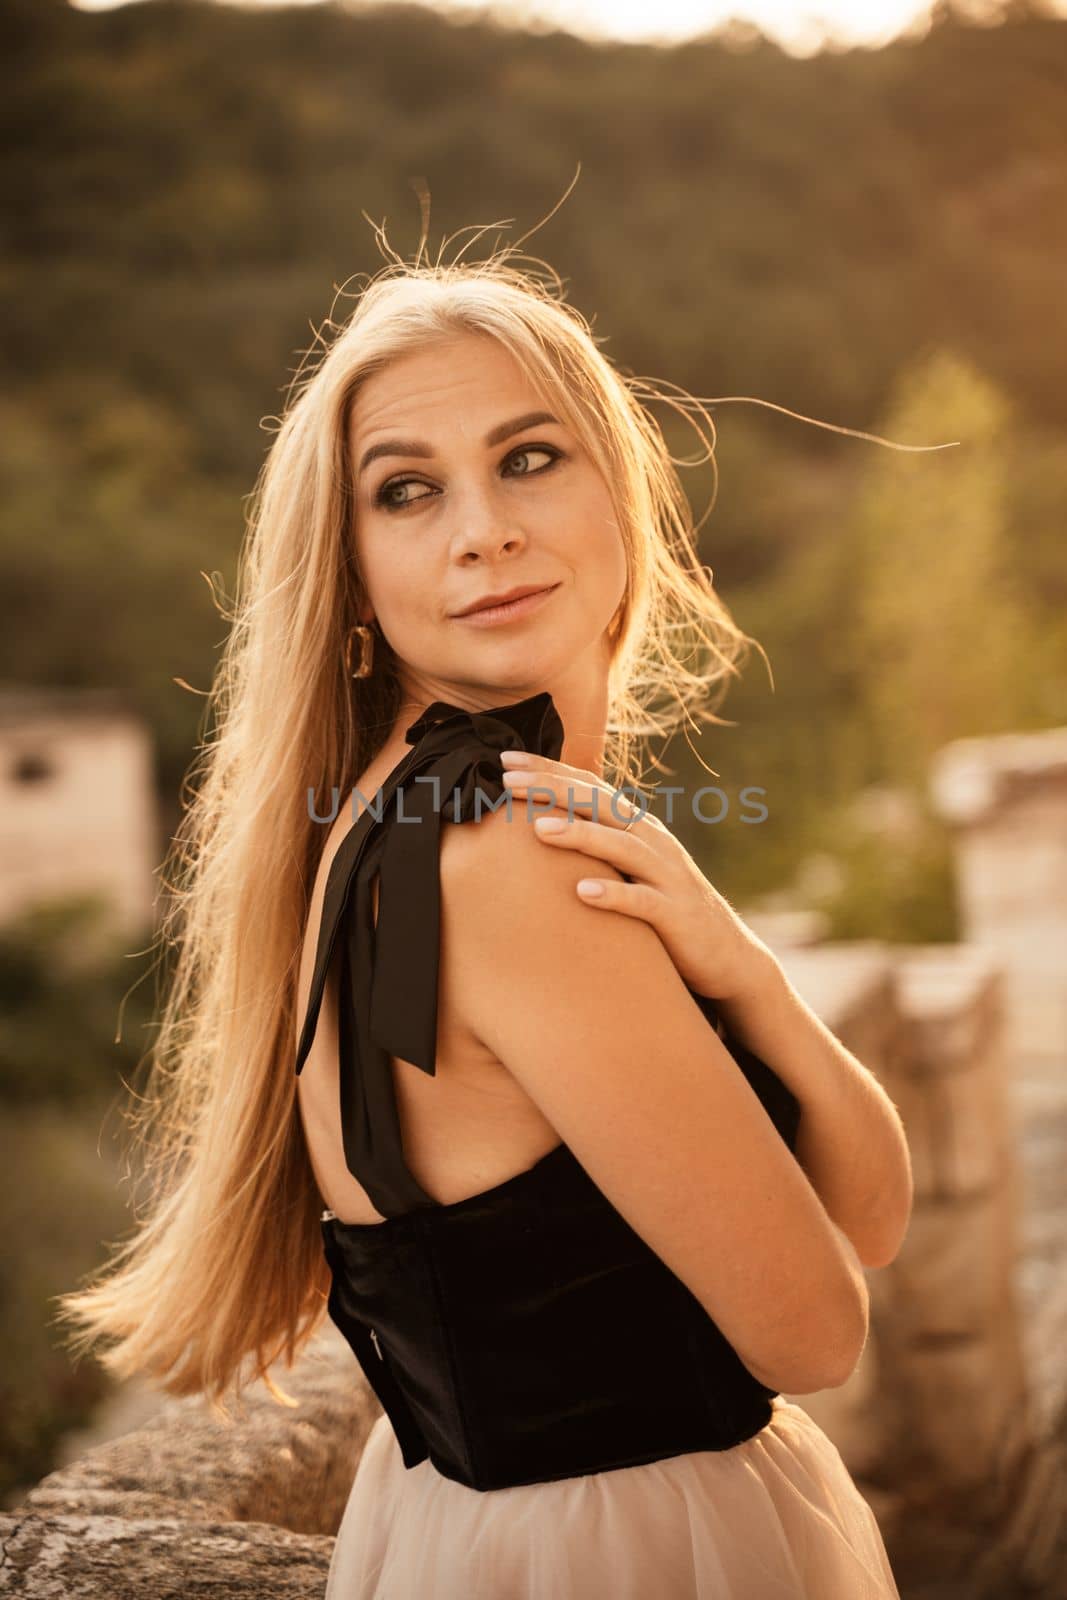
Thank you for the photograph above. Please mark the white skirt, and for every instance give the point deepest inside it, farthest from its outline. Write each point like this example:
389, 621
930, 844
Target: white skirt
777, 1517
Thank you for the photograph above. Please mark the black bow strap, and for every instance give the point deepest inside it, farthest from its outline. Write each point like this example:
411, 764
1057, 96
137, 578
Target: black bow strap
389, 975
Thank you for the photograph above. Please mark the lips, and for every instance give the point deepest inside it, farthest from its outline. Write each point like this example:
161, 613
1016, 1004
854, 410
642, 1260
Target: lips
490, 601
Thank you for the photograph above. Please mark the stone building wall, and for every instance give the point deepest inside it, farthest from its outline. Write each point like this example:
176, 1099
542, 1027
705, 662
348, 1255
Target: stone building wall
77, 804
1005, 799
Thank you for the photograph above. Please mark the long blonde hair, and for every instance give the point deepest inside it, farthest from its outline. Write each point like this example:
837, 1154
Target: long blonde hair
225, 1260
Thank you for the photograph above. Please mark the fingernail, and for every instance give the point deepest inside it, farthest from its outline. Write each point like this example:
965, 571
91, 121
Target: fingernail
591, 886
512, 758
549, 824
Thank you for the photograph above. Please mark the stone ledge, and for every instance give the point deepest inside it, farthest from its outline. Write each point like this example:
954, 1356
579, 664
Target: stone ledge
288, 1466
970, 779
69, 1557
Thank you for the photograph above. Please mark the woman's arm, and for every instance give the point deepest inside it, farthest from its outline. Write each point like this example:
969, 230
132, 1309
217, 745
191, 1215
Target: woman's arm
851, 1142
592, 1018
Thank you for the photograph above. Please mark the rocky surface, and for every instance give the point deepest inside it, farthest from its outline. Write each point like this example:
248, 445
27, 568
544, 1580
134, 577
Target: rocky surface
191, 1504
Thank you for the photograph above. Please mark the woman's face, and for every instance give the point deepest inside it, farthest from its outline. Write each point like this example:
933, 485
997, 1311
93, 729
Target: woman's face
449, 511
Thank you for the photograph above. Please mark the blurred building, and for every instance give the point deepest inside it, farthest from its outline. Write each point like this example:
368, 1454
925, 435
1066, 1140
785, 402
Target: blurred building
1006, 800
77, 804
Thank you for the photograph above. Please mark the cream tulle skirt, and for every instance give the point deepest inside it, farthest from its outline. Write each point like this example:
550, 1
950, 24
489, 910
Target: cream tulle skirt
775, 1518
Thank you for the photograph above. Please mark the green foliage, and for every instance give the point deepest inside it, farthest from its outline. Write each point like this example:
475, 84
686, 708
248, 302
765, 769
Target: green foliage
184, 186
940, 629
901, 890
65, 988
61, 1197
913, 617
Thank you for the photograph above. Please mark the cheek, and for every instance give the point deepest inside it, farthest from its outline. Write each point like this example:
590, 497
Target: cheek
605, 544
393, 580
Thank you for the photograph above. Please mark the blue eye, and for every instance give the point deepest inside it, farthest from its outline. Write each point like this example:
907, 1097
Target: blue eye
382, 500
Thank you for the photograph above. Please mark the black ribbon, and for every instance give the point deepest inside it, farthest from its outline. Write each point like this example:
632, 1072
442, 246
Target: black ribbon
387, 999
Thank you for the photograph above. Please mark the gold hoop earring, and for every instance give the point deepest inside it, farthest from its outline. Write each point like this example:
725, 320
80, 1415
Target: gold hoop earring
366, 651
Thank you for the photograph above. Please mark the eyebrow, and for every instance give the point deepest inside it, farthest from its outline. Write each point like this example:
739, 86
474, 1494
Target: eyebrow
412, 447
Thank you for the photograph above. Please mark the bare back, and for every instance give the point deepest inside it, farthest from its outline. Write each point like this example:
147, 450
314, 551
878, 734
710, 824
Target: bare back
467, 1128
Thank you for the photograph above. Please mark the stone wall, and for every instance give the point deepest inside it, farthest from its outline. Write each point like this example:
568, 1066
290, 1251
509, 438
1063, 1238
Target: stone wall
1005, 799
954, 1320
850, 986
936, 1413
191, 1504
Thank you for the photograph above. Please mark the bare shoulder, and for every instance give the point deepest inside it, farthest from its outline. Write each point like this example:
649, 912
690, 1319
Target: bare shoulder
511, 902
481, 859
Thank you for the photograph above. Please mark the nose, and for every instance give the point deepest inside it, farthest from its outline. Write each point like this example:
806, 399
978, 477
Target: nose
485, 539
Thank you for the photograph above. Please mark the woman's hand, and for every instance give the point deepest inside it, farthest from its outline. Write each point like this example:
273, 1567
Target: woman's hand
714, 951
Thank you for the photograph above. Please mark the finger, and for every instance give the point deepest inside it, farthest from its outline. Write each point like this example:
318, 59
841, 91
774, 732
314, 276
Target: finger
638, 900
524, 768
609, 807
561, 788
618, 846
525, 760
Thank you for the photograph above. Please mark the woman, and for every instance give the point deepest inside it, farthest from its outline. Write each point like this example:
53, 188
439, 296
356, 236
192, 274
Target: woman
577, 1252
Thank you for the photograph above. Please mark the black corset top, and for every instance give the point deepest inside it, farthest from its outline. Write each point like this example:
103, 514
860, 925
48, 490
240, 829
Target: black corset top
526, 1333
